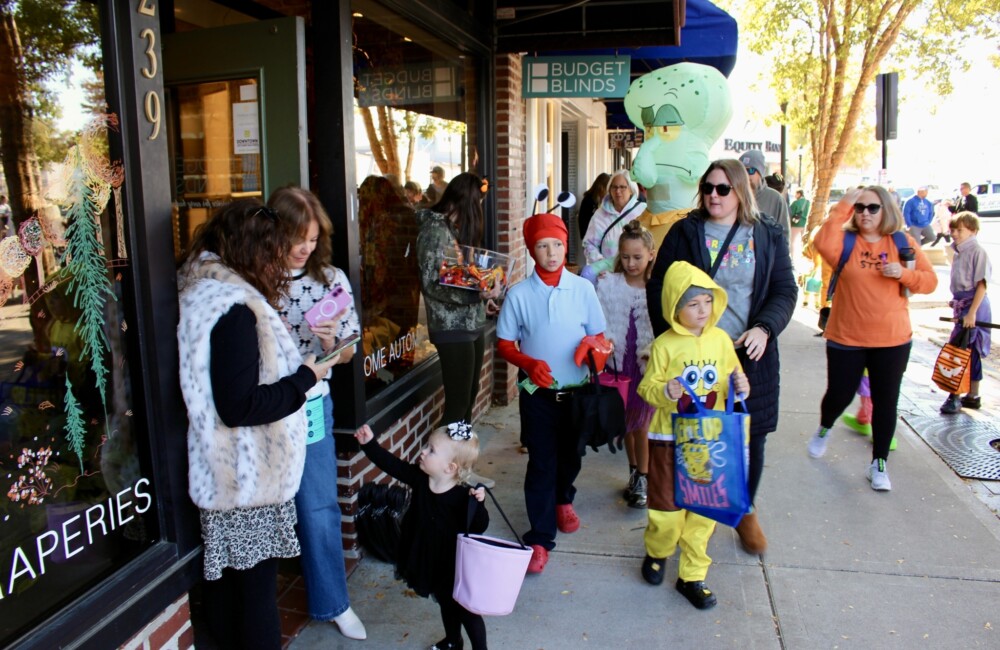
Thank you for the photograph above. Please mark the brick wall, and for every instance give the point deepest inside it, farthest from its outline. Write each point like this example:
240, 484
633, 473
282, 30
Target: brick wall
404, 439
512, 191
170, 630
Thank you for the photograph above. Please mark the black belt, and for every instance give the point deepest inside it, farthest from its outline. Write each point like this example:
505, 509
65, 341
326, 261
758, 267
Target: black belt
556, 395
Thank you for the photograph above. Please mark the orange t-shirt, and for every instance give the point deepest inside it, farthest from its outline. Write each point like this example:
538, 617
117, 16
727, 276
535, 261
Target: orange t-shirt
869, 309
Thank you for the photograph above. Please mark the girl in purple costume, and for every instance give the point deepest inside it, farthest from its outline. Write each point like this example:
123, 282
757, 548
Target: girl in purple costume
623, 297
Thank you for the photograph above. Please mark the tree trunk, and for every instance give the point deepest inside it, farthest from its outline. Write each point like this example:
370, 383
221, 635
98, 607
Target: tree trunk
17, 147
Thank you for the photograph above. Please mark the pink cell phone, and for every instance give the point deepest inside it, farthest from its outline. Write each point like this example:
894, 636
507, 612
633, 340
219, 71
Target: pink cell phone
331, 304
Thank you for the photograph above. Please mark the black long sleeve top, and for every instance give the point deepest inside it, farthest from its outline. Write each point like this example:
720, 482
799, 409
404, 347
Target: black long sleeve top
234, 368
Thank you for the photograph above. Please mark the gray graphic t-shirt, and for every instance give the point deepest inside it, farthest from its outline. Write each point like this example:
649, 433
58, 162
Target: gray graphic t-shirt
735, 274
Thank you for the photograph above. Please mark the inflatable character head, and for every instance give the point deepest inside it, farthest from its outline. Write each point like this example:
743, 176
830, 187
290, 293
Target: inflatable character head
682, 110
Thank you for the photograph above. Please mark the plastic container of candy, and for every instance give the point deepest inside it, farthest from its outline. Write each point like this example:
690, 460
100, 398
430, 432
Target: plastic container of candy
475, 269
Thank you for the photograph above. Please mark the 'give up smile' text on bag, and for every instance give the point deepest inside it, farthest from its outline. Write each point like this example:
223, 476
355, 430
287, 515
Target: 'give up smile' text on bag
711, 459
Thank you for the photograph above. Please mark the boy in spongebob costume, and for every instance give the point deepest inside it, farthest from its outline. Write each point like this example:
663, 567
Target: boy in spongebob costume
702, 353
682, 110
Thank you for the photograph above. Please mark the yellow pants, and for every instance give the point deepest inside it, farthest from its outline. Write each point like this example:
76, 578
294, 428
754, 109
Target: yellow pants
666, 529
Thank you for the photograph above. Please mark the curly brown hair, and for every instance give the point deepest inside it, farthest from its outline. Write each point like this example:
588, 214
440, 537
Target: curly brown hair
248, 239
297, 208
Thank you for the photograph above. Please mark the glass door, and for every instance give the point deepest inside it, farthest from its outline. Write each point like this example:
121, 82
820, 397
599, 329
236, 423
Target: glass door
236, 116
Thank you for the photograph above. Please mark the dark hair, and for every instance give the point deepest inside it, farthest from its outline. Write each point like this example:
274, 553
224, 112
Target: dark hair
297, 208
248, 239
599, 189
462, 203
635, 230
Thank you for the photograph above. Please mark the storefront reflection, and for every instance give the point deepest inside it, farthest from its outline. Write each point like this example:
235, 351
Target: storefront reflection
395, 339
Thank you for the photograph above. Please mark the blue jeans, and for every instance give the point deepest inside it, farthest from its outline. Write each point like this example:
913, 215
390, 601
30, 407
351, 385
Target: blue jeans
319, 527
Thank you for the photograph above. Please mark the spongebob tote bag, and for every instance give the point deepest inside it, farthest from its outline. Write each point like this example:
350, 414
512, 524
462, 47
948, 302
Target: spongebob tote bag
711, 460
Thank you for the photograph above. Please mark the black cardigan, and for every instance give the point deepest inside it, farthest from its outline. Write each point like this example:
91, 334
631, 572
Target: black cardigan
772, 303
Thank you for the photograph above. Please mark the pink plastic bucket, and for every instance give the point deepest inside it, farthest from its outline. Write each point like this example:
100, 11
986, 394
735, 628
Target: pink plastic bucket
618, 381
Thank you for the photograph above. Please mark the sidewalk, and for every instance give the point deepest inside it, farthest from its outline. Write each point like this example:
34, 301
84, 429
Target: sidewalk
847, 567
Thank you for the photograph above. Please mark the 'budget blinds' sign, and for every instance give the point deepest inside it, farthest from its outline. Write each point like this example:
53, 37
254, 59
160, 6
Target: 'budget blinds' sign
576, 76
408, 84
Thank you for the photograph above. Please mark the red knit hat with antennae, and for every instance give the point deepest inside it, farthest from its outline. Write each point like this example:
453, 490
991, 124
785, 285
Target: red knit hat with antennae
541, 226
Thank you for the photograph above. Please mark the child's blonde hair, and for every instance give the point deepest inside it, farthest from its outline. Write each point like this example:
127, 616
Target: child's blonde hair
635, 230
465, 451
965, 219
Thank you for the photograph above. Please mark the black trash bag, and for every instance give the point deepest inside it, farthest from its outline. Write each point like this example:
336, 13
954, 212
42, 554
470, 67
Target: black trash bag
379, 519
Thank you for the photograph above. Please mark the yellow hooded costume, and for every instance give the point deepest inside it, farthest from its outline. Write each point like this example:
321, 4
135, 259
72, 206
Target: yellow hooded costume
706, 362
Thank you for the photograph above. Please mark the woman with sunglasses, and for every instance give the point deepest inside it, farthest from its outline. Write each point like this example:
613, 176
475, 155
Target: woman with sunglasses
745, 252
869, 325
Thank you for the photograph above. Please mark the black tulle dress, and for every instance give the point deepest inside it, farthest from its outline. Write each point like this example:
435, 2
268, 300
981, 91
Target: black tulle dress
432, 522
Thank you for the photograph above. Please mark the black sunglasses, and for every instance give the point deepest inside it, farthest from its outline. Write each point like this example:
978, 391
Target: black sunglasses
872, 208
721, 189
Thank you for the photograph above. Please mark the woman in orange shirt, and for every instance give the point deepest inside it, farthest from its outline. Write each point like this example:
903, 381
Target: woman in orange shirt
869, 325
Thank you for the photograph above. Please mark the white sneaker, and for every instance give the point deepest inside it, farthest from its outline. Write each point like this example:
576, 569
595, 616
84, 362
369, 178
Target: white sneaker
878, 476
817, 444
350, 625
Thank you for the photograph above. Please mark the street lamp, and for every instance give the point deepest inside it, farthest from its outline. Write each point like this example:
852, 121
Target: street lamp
800, 151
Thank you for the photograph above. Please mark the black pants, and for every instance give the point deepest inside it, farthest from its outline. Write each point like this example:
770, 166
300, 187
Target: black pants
844, 369
455, 617
461, 364
553, 462
242, 607
756, 468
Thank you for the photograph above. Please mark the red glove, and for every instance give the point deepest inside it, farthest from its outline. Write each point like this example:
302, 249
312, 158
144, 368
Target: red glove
538, 371
600, 346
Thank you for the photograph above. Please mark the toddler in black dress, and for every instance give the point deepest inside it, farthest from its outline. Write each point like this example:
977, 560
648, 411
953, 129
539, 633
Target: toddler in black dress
439, 505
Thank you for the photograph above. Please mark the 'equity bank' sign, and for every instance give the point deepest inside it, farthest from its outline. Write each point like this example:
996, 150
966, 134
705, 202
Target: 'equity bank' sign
575, 76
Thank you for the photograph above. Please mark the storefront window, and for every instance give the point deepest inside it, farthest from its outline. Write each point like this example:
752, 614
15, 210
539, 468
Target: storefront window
76, 502
216, 150
415, 114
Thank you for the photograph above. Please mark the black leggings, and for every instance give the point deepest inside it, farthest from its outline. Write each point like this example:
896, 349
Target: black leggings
242, 607
844, 369
756, 468
461, 364
455, 617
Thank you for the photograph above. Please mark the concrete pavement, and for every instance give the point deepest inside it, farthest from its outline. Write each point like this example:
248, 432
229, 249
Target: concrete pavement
847, 567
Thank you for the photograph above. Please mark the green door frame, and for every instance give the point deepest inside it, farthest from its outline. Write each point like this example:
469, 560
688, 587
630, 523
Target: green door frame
273, 51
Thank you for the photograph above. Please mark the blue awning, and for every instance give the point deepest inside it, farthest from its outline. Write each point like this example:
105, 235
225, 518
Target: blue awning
708, 36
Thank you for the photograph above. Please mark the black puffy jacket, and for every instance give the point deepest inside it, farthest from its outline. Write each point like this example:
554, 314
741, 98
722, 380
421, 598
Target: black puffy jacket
772, 304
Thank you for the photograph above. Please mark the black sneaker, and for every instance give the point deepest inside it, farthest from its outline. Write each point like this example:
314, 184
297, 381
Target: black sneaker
637, 497
445, 644
972, 402
652, 570
951, 405
697, 593
632, 477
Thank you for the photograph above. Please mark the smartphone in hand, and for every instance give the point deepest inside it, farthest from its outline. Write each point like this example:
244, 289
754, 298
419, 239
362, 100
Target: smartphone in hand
329, 306
341, 345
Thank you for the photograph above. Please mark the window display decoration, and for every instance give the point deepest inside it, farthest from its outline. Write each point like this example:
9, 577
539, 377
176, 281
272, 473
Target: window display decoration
90, 180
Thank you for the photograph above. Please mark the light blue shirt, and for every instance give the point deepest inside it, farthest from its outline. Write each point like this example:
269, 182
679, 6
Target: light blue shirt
549, 322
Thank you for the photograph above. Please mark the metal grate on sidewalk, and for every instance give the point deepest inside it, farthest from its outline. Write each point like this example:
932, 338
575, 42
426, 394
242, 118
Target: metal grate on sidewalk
963, 443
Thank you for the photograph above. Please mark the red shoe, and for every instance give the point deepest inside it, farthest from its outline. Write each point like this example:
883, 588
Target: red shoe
865, 411
566, 519
539, 558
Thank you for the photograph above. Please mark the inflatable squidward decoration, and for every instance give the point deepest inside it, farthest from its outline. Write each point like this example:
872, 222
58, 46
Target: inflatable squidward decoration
682, 109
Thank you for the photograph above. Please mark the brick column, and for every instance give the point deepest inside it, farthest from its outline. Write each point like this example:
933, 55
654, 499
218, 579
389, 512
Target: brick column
512, 192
